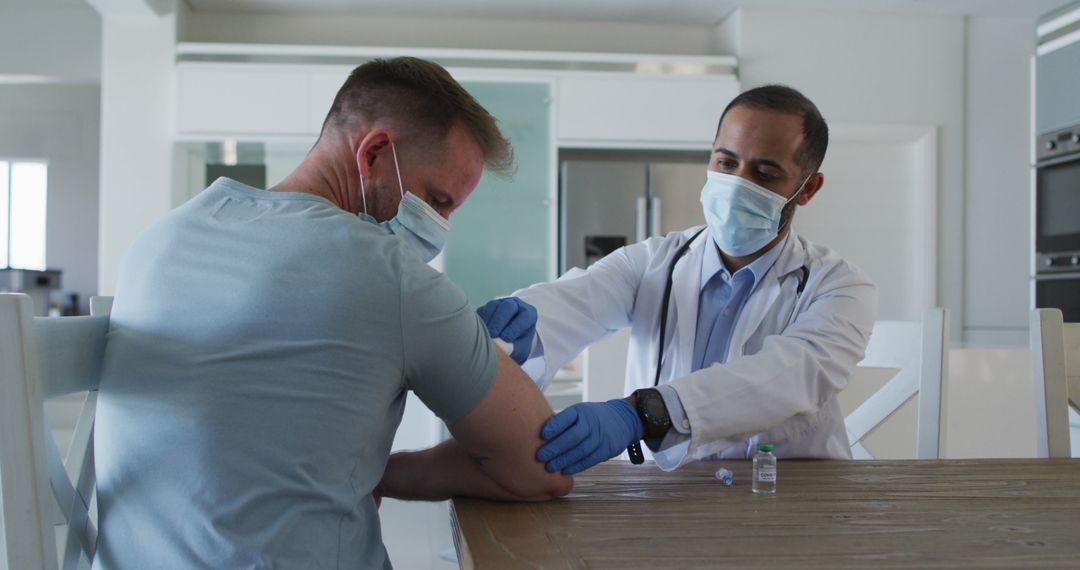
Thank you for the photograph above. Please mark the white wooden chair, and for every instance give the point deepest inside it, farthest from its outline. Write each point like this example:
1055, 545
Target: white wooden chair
919, 353
40, 359
1055, 347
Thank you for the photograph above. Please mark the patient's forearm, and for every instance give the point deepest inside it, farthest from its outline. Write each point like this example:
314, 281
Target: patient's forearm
439, 473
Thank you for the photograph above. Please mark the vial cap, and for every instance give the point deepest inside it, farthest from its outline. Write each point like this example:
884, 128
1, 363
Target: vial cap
765, 447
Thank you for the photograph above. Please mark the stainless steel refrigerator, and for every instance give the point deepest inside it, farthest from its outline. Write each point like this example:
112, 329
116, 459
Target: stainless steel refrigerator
609, 199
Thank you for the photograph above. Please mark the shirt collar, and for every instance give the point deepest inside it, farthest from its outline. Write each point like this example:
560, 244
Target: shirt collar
711, 264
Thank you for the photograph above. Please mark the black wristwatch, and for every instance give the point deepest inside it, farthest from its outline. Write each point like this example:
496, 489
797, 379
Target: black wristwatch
655, 420
653, 413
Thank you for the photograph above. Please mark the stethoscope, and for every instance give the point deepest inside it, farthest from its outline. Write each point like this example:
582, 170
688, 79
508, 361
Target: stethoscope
634, 450
804, 276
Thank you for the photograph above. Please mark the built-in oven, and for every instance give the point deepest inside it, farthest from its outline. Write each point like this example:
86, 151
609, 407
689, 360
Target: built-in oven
1057, 222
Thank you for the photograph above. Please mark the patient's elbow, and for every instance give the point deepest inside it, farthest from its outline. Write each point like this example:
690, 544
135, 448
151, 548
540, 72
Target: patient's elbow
540, 488
562, 486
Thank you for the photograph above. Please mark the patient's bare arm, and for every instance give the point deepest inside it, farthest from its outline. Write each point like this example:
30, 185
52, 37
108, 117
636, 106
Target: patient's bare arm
492, 454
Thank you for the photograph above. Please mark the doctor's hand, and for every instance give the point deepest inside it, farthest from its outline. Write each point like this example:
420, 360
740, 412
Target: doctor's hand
512, 320
588, 433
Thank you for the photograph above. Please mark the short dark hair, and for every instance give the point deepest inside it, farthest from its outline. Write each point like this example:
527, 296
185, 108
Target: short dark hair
423, 101
784, 99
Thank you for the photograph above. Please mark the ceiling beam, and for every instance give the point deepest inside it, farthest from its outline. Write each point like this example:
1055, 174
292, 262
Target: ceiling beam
132, 7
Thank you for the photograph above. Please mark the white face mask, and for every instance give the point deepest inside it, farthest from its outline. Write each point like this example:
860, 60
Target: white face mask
416, 222
742, 216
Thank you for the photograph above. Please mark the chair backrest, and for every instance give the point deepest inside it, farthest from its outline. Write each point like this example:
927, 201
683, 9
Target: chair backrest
918, 352
43, 358
1055, 347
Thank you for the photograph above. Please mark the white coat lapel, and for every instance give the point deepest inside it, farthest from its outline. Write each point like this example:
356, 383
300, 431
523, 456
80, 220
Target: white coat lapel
765, 296
682, 323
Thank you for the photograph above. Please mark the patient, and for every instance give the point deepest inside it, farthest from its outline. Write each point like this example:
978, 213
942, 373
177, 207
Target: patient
263, 342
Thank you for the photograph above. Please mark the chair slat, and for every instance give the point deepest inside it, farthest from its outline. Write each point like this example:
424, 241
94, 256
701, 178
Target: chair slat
919, 352
1071, 340
1051, 389
43, 358
933, 386
73, 346
884, 403
28, 536
63, 490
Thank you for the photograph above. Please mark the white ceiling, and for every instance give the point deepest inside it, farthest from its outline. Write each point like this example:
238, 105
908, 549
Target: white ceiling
702, 12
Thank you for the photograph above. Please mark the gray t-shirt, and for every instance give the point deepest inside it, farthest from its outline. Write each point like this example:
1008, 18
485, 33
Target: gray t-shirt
257, 363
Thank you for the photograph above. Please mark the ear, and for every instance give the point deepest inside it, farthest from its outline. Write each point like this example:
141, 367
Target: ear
813, 184
372, 148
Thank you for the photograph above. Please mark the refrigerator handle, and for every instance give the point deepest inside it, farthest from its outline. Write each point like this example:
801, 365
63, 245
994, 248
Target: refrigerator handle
641, 218
654, 217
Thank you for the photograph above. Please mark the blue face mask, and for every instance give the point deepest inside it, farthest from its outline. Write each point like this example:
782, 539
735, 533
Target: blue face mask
742, 216
416, 222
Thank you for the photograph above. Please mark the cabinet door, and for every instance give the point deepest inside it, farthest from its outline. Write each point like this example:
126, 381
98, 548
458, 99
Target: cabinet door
1057, 88
501, 238
239, 101
641, 111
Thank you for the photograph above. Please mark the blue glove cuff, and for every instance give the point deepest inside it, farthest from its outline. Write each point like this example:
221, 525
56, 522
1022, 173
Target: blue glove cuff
629, 416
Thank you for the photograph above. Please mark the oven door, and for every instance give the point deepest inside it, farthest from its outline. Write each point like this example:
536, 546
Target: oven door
1057, 208
1061, 291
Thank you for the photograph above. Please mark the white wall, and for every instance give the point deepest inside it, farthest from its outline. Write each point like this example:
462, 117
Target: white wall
997, 244
480, 33
871, 68
969, 77
49, 41
137, 117
59, 123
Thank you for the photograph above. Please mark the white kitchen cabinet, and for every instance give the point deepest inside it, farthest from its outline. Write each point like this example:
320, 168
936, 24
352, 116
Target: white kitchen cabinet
643, 111
593, 110
242, 100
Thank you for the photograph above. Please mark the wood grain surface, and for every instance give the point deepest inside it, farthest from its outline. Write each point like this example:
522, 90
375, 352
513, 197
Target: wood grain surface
825, 514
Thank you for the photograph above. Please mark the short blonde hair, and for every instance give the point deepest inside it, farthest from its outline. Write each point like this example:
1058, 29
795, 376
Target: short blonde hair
424, 101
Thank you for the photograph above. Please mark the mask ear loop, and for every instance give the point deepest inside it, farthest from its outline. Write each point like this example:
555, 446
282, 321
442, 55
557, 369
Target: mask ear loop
793, 196
401, 187
363, 195
801, 188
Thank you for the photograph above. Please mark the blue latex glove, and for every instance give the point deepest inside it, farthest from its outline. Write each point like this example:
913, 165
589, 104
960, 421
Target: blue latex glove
512, 320
587, 433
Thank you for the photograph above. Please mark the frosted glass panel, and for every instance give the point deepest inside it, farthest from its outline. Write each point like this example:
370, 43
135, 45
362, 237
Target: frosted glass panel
500, 239
27, 219
5, 173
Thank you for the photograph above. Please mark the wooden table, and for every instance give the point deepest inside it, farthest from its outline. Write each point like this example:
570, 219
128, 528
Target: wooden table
826, 514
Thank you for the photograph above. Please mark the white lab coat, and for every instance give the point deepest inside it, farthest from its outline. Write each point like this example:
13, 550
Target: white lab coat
789, 357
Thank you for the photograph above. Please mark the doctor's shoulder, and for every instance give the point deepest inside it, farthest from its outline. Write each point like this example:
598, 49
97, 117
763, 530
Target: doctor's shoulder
830, 270
652, 253
667, 244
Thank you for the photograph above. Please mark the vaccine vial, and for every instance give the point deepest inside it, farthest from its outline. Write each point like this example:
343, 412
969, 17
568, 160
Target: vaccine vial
724, 476
764, 480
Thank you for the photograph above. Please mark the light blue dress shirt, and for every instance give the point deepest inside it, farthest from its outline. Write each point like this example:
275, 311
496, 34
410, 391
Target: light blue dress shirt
720, 303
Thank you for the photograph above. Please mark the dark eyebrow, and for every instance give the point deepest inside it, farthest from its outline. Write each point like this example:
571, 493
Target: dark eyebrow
761, 161
772, 163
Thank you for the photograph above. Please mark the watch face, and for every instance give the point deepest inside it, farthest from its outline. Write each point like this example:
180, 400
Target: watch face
655, 407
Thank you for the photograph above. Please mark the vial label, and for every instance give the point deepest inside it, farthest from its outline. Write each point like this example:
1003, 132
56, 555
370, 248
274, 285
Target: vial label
767, 474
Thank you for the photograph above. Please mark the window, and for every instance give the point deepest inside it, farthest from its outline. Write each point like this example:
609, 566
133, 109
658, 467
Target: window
22, 214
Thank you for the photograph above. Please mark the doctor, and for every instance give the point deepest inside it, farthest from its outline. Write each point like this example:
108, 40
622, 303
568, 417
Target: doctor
741, 331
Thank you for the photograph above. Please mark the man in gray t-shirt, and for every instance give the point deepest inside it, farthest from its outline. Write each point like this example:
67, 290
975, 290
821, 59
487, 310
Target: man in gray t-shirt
262, 344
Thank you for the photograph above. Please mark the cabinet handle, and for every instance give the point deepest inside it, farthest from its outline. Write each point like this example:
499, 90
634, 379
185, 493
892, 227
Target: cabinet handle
641, 218
654, 218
